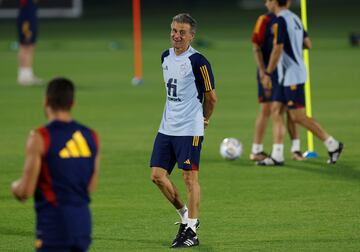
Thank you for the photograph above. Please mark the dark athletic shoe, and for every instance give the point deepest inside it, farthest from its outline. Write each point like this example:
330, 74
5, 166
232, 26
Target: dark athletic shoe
182, 229
180, 232
186, 240
334, 155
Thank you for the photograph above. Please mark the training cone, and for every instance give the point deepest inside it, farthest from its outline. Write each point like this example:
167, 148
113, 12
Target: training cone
310, 154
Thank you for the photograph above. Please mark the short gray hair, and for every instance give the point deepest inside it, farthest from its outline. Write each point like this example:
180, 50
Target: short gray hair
185, 18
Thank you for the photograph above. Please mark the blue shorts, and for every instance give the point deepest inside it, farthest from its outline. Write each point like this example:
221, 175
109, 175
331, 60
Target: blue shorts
292, 96
184, 150
77, 245
262, 97
27, 26
63, 228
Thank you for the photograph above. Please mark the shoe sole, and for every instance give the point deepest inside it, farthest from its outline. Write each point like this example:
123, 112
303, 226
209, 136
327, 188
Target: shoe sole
275, 164
182, 247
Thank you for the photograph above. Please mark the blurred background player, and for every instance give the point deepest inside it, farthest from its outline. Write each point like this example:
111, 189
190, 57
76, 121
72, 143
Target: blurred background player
287, 55
61, 167
27, 33
189, 105
262, 39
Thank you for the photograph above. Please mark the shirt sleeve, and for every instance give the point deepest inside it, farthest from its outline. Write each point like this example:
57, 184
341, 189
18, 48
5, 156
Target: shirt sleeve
279, 30
258, 36
96, 139
45, 135
204, 77
164, 55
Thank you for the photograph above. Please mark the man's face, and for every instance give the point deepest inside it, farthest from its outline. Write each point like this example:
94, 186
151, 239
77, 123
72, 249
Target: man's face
181, 35
270, 5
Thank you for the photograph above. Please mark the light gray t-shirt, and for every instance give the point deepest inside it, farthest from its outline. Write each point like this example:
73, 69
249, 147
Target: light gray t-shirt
187, 77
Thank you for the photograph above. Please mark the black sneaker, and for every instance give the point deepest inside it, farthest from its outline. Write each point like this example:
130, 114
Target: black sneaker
334, 155
269, 161
188, 239
182, 230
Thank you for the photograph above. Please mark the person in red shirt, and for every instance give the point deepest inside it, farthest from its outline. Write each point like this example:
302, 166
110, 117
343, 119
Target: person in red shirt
27, 35
262, 39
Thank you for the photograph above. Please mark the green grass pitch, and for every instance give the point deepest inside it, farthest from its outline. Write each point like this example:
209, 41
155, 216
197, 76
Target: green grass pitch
303, 206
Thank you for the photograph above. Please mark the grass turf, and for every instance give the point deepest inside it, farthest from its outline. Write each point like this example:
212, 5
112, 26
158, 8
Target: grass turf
307, 206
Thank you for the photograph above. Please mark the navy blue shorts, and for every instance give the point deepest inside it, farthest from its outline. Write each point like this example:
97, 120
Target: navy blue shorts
184, 150
292, 96
63, 228
80, 244
27, 26
262, 97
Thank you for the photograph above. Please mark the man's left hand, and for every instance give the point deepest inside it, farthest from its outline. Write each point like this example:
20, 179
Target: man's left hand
206, 123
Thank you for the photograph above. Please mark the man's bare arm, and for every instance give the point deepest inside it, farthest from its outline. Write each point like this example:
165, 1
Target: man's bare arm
307, 43
259, 59
24, 187
210, 100
93, 181
274, 57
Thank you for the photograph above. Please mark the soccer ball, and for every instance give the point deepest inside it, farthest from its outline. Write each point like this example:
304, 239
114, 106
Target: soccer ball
230, 148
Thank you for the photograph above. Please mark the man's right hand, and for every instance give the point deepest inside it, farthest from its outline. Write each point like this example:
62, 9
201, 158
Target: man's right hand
267, 85
261, 74
266, 82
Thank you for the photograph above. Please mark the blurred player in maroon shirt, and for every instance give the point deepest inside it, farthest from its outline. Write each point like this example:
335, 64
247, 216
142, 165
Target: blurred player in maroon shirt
27, 35
262, 39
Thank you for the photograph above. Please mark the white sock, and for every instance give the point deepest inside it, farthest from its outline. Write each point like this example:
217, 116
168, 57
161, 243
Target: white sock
25, 73
183, 213
192, 224
331, 144
295, 145
278, 152
257, 148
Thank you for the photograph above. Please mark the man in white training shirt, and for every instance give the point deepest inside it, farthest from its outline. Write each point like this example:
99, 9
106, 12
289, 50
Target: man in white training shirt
287, 57
190, 102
